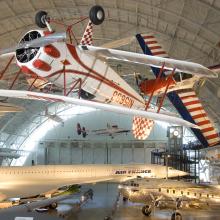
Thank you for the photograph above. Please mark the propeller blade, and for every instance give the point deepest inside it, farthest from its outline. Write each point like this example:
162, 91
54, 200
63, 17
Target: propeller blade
39, 42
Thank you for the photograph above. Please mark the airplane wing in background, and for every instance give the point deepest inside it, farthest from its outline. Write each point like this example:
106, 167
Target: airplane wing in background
185, 101
102, 106
8, 107
179, 65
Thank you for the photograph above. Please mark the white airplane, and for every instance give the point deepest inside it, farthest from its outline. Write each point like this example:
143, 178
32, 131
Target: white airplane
20, 182
110, 130
44, 55
169, 194
53, 117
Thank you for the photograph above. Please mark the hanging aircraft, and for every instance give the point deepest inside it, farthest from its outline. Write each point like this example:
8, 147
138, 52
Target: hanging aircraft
170, 194
46, 55
110, 130
180, 89
53, 117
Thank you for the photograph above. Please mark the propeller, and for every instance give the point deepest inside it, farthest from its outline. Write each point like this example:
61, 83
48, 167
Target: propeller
35, 43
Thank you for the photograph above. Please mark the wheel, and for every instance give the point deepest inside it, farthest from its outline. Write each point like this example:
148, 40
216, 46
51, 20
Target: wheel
176, 216
40, 18
53, 205
125, 199
96, 15
146, 210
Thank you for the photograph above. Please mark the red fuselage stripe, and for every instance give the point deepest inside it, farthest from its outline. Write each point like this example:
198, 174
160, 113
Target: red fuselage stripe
74, 54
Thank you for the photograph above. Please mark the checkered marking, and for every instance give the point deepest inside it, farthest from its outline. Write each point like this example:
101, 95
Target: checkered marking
155, 48
142, 127
195, 109
87, 36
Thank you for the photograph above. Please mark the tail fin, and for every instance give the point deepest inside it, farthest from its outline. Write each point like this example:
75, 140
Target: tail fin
142, 127
150, 45
87, 36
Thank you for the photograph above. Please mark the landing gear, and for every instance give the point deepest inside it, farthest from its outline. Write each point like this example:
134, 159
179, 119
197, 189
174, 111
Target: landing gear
41, 19
96, 15
53, 205
125, 199
146, 210
176, 216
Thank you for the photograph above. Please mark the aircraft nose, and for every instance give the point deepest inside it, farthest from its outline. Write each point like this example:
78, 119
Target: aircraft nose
183, 173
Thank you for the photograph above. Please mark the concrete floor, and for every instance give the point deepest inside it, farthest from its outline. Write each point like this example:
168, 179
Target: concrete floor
104, 204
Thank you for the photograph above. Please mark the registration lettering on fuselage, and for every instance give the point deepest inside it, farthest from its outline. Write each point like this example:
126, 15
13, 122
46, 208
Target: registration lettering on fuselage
122, 99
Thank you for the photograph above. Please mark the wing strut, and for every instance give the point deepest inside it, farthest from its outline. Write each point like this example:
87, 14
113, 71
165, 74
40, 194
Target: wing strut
165, 92
6, 67
157, 79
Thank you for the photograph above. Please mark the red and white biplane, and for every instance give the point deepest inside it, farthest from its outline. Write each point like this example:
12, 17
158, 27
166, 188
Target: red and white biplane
47, 57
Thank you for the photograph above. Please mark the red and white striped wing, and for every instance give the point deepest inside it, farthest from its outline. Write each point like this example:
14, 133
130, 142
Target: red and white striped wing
87, 36
142, 127
196, 110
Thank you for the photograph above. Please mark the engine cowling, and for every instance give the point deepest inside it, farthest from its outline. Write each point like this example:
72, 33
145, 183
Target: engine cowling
25, 55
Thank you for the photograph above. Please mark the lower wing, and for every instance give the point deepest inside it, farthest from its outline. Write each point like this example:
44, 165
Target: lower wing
102, 106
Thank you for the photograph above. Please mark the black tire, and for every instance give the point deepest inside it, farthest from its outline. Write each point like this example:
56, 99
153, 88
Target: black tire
125, 199
53, 205
40, 18
176, 216
146, 210
97, 15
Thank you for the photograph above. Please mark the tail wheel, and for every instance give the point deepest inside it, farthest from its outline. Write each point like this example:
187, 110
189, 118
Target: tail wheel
176, 216
97, 14
40, 19
146, 210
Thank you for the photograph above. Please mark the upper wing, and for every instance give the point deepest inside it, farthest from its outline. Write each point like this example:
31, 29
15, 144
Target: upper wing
179, 65
103, 106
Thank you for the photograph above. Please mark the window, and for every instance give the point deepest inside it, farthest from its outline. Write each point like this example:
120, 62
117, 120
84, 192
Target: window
177, 77
168, 191
173, 191
188, 193
182, 192
159, 190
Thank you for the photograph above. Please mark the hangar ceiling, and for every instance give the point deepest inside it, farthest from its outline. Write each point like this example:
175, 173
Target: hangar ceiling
188, 29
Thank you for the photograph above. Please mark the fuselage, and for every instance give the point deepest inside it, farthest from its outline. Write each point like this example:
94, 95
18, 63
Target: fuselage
97, 77
28, 181
176, 83
144, 191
